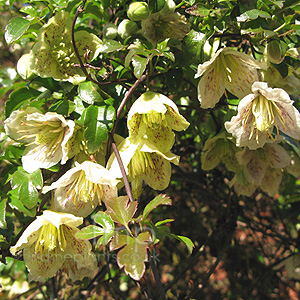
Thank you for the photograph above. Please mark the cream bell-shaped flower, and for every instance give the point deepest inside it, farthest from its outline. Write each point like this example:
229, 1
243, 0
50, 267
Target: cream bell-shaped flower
49, 244
153, 116
53, 55
143, 162
228, 70
260, 113
82, 188
46, 137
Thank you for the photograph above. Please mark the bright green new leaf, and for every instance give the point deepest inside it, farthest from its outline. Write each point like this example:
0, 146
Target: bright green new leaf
108, 226
121, 210
158, 200
190, 245
15, 29
110, 46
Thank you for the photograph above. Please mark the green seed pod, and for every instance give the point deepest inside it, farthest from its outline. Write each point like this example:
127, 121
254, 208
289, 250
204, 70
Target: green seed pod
275, 52
138, 11
127, 28
110, 31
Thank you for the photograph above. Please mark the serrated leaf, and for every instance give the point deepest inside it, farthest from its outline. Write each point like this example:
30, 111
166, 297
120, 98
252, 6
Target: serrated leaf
161, 199
89, 92
121, 210
89, 232
133, 256
187, 241
15, 29
20, 97
3, 224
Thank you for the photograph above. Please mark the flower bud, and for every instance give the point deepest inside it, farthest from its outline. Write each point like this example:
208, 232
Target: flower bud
126, 28
23, 66
110, 31
138, 11
275, 52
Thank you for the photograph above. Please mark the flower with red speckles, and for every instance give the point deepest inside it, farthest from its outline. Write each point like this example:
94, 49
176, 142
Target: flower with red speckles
260, 113
143, 162
81, 188
228, 70
153, 116
49, 244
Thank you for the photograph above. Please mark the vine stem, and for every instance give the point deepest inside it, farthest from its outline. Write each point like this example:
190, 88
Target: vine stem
120, 109
156, 276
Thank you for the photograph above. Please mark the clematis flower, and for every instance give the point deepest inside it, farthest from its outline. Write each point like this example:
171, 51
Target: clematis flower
260, 113
81, 188
217, 149
143, 162
228, 70
165, 24
261, 168
291, 266
53, 55
49, 244
46, 137
153, 116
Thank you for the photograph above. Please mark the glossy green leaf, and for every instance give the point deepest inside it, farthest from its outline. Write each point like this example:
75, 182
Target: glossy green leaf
110, 46
139, 64
15, 29
89, 92
254, 14
3, 224
97, 121
19, 98
108, 226
158, 200
15, 203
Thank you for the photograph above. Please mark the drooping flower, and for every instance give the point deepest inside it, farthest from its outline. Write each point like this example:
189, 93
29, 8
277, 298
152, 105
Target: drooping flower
165, 24
153, 116
46, 137
261, 168
82, 188
260, 113
143, 162
49, 244
53, 55
228, 70
217, 149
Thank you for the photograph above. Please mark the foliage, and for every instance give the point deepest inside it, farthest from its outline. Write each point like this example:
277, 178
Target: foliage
96, 95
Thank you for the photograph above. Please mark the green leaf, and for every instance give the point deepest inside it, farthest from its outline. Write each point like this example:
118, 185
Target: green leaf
89, 92
105, 221
139, 64
158, 200
162, 222
121, 210
253, 14
110, 46
193, 45
89, 232
63, 107
3, 224
97, 121
133, 256
27, 185
190, 245
15, 203
19, 98
15, 29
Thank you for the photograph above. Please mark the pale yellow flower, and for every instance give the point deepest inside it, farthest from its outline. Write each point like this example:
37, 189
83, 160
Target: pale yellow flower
49, 244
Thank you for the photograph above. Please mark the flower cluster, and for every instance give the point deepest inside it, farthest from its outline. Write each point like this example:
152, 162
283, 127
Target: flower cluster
266, 116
